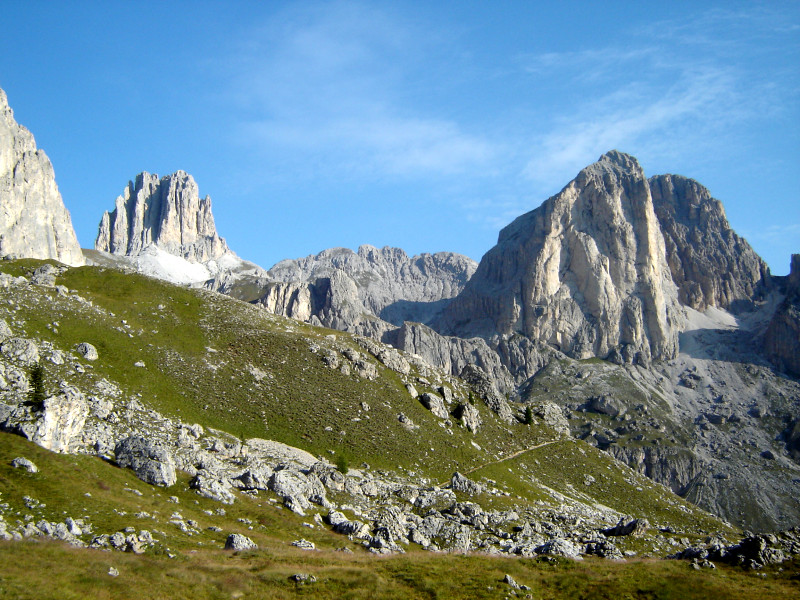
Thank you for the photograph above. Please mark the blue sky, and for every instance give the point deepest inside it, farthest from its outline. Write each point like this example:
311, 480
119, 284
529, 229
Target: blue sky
426, 126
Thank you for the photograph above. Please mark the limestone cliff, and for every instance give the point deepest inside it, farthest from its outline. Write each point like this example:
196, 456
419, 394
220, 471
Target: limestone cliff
782, 338
585, 273
387, 282
33, 220
167, 213
710, 264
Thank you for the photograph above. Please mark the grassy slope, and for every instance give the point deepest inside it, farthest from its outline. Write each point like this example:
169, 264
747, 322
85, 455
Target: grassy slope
43, 569
303, 403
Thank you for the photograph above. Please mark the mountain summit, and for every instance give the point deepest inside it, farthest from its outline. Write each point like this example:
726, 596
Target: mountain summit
34, 222
585, 273
166, 212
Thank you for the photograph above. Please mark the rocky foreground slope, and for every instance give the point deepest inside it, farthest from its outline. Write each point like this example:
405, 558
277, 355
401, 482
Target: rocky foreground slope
214, 398
33, 219
648, 275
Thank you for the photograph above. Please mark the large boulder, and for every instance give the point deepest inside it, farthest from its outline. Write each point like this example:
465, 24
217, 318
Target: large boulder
151, 461
237, 542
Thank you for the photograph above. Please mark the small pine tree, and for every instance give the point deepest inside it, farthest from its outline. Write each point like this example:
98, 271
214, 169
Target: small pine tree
528, 415
37, 394
342, 465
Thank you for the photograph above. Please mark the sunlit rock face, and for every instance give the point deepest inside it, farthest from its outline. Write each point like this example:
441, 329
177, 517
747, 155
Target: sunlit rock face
33, 220
585, 273
166, 212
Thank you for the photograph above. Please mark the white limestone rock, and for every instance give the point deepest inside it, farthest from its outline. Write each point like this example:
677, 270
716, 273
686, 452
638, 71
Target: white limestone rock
166, 212
585, 273
34, 223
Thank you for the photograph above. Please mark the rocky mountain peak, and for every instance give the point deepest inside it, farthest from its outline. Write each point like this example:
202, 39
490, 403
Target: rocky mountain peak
34, 222
710, 264
166, 212
586, 272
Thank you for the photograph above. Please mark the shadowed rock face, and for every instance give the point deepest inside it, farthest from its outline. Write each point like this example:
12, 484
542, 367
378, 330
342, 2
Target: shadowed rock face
782, 338
585, 273
33, 220
167, 213
710, 264
368, 292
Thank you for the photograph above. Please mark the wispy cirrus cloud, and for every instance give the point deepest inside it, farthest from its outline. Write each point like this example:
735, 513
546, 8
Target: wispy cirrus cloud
330, 84
673, 89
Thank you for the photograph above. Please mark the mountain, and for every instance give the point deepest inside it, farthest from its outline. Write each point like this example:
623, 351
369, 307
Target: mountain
645, 274
370, 291
33, 219
166, 212
710, 264
161, 227
585, 273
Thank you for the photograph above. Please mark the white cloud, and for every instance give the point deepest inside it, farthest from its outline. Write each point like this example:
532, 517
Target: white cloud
327, 84
636, 119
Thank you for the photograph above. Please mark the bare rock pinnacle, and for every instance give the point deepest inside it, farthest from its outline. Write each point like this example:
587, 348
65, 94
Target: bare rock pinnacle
167, 213
34, 222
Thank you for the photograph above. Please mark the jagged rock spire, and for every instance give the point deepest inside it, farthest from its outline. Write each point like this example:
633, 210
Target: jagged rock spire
34, 222
166, 212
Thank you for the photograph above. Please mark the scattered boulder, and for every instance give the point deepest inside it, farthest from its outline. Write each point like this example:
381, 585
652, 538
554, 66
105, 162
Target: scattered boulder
45, 275
60, 425
238, 542
560, 547
87, 351
435, 404
303, 578
552, 416
469, 416
606, 405
304, 544
461, 483
636, 528
24, 463
151, 462
21, 349
213, 488
5, 331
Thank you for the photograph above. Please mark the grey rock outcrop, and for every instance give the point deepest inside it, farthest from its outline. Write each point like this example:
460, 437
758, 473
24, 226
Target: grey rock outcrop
710, 264
239, 542
87, 351
34, 222
166, 212
434, 404
23, 463
586, 273
151, 462
782, 338
59, 426
388, 284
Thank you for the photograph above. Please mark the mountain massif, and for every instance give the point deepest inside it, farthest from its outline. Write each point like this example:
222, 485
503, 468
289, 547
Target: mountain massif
618, 366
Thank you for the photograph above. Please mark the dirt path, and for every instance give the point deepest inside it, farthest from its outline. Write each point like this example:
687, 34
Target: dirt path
505, 458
